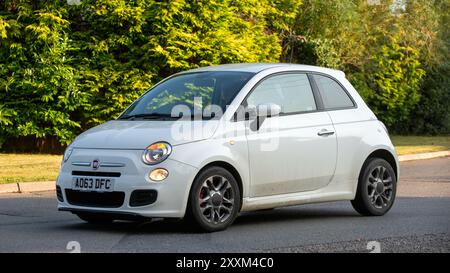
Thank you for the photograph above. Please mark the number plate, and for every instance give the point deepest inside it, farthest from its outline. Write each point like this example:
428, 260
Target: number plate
92, 184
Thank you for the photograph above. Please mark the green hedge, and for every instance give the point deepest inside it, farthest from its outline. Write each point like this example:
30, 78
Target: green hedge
65, 68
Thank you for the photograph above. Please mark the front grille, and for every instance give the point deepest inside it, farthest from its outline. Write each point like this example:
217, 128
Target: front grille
87, 173
95, 199
143, 197
59, 194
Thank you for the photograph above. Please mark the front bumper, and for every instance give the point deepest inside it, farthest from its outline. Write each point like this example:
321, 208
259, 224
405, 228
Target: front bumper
172, 193
116, 215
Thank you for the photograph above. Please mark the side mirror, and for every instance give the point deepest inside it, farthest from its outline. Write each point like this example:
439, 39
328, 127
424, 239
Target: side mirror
268, 110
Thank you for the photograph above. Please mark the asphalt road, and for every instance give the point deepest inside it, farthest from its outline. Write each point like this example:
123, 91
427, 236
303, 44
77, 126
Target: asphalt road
418, 222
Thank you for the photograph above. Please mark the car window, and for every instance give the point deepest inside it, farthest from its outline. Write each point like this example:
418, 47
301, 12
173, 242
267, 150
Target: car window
196, 91
292, 92
333, 95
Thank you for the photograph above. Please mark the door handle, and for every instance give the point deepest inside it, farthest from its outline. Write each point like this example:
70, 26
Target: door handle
325, 132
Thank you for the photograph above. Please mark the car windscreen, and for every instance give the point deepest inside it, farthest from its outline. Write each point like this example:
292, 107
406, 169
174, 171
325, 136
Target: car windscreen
192, 94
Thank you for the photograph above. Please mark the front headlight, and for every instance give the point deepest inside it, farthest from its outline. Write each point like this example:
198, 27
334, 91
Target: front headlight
156, 153
67, 153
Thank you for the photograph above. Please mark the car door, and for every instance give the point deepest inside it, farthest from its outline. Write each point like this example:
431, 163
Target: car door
295, 151
349, 123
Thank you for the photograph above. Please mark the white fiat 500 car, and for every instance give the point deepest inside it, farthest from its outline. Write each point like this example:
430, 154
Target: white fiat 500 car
208, 143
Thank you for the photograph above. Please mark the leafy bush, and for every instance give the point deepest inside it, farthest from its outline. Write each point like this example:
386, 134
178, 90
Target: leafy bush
395, 75
396, 56
38, 87
431, 115
66, 68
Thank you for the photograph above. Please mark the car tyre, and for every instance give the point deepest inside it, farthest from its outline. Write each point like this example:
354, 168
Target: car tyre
214, 200
377, 187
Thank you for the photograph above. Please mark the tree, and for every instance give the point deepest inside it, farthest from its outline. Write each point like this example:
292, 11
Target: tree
432, 114
394, 74
65, 68
37, 84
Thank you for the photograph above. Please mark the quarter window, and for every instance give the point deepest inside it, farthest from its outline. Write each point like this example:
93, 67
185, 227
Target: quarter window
333, 95
292, 92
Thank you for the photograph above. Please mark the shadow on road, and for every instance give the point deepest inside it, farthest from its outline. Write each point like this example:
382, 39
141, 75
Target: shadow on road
293, 214
159, 226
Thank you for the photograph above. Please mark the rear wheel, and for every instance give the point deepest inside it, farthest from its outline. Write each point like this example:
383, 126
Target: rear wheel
214, 200
95, 218
377, 187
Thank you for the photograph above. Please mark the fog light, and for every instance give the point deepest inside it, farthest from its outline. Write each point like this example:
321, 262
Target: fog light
158, 174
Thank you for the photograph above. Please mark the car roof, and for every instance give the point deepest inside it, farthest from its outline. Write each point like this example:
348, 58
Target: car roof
258, 67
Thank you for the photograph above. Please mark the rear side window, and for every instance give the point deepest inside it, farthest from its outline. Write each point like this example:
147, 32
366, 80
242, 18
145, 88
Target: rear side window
292, 92
333, 95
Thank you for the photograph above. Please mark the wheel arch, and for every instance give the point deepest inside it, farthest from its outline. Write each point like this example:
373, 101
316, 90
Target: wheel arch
386, 155
227, 166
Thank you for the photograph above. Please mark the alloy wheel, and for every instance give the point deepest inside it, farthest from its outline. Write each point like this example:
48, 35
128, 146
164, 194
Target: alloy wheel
380, 187
216, 199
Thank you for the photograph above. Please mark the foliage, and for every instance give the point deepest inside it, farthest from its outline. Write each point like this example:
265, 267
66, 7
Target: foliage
395, 77
432, 114
330, 30
395, 53
65, 68
37, 84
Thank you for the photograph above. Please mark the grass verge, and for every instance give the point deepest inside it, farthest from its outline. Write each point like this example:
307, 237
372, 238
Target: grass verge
420, 144
28, 167
43, 167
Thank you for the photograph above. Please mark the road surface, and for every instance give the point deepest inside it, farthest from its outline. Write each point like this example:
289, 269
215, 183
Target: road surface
418, 222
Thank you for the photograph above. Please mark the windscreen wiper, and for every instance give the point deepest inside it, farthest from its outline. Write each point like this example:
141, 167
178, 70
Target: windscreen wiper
149, 116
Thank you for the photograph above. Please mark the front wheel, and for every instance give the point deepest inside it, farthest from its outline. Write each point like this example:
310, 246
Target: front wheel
214, 200
377, 187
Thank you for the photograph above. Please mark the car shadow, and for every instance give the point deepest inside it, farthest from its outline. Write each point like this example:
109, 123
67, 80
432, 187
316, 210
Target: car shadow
293, 215
297, 214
